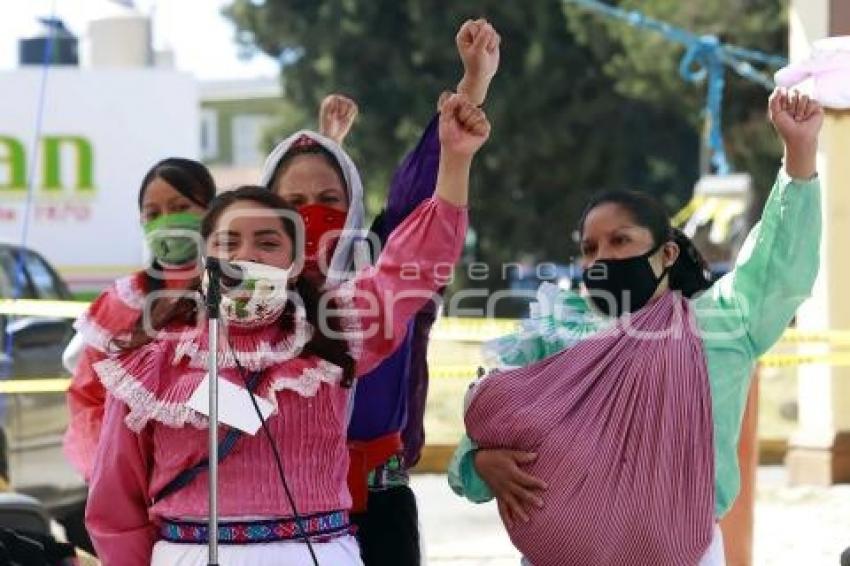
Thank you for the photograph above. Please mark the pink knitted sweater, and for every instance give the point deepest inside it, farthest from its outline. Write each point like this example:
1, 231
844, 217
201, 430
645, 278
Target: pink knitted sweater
149, 435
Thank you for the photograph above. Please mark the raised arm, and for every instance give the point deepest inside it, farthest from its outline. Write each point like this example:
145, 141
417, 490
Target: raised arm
422, 251
798, 120
777, 266
478, 47
336, 116
463, 130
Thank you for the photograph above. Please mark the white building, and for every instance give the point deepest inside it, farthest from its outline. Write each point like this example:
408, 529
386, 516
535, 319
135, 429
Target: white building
104, 123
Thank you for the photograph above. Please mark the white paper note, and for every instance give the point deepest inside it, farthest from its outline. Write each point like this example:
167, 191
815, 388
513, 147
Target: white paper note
234, 406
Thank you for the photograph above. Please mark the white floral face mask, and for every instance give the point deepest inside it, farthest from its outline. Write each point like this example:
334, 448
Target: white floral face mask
258, 296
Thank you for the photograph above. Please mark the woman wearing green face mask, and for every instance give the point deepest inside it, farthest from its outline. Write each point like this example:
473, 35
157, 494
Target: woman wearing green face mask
173, 197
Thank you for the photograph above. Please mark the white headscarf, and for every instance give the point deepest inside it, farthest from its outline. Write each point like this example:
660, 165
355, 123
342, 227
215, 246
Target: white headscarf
352, 243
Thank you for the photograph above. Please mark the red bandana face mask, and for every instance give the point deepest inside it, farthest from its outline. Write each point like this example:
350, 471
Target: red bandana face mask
318, 221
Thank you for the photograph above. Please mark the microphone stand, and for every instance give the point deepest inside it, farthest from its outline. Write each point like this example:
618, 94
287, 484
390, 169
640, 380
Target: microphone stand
213, 302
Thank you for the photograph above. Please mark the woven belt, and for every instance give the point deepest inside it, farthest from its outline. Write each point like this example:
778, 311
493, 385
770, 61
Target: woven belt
392, 473
318, 528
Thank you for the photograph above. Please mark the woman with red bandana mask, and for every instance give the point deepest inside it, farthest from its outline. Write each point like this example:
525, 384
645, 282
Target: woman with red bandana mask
386, 429
315, 176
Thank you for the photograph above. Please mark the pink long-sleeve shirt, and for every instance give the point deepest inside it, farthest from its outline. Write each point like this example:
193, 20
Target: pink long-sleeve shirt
309, 424
114, 313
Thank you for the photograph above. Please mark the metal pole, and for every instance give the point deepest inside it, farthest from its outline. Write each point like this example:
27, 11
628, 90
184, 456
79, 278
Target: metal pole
213, 301
213, 443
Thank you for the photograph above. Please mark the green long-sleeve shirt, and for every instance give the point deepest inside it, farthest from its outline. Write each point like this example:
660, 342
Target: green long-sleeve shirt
739, 318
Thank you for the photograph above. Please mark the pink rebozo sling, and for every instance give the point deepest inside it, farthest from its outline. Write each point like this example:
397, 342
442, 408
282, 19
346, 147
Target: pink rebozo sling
622, 427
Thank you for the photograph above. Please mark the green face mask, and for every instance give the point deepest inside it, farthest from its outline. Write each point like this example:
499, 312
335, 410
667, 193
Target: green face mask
173, 238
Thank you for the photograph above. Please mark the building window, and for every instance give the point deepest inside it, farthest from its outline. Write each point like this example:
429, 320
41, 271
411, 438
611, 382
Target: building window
248, 138
209, 134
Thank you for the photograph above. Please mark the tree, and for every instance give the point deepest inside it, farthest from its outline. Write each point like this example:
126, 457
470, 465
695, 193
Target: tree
645, 67
573, 107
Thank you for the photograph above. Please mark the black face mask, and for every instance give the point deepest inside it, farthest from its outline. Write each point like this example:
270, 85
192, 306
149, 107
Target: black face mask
618, 286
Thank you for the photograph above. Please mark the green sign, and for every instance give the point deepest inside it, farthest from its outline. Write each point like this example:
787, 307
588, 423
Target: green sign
54, 151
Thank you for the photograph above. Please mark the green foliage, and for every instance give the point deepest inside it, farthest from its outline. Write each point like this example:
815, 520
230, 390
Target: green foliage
579, 104
646, 67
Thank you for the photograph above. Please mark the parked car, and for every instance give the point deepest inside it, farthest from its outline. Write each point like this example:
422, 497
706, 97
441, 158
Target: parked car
33, 423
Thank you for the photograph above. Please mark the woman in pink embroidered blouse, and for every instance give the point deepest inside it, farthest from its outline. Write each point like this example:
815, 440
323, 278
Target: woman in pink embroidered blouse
173, 196
302, 365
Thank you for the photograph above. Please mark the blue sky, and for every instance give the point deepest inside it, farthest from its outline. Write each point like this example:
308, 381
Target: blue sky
202, 40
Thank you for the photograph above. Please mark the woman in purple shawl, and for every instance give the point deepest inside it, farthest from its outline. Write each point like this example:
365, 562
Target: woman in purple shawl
386, 430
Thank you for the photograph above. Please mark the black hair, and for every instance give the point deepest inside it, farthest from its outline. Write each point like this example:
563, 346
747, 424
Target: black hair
690, 273
167, 311
334, 350
251, 193
189, 178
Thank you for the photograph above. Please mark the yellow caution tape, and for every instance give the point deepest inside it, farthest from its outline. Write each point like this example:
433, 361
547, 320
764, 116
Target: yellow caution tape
769, 360
448, 371
447, 328
834, 337
841, 359
44, 385
32, 307
483, 329
469, 372
472, 329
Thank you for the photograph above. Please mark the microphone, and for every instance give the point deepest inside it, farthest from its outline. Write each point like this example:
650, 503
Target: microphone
227, 274
219, 274
845, 557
